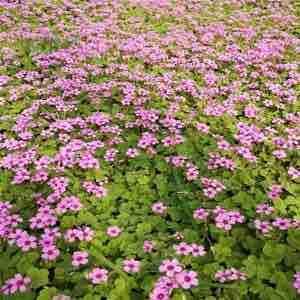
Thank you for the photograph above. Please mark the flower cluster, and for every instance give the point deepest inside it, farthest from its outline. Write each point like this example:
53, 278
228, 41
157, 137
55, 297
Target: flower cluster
16, 284
84, 233
217, 161
97, 190
229, 275
67, 204
189, 249
225, 219
211, 187
174, 276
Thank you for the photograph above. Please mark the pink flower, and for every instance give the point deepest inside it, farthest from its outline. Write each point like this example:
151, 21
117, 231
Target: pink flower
159, 294
58, 184
200, 214
197, 250
97, 190
230, 274
263, 226
294, 173
275, 191
148, 246
280, 154
170, 267
131, 266
225, 219
187, 279
282, 223
132, 152
211, 187
110, 155
251, 111
113, 231
50, 253
18, 283
26, 242
264, 209
191, 172
98, 275
87, 234
79, 258
70, 203
296, 283
159, 208
183, 249
202, 127
167, 283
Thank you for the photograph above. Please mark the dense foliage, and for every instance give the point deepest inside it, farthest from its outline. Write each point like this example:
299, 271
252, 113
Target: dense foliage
149, 149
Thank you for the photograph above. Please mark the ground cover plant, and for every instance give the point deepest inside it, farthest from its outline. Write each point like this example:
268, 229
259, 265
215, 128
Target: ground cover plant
149, 149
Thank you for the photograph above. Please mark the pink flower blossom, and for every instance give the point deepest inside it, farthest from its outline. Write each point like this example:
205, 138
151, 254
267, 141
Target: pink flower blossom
131, 266
16, 284
170, 267
159, 208
113, 231
98, 275
183, 248
230, 274
200, 214
79, 258
187, 279
148, 246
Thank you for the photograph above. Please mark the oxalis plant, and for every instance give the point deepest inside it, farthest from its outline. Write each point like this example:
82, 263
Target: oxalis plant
149, 149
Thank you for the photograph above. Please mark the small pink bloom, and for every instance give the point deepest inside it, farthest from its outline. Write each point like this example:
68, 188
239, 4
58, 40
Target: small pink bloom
187, 279
113, 231
200, 214
131, 266
79, 258
170, 267
159, 208
97, 276
197, 250
183, 249
148, 246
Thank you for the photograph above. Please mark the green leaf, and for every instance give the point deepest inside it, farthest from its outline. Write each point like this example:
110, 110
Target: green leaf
39, 277
294, 239
121, 291
85, 217
68, 222
179, 296
59, 274
293, 188
161, 184
251, 264
144, 179
221, 252
143, 228
274, 250
47, 293
90, 297
26, 261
